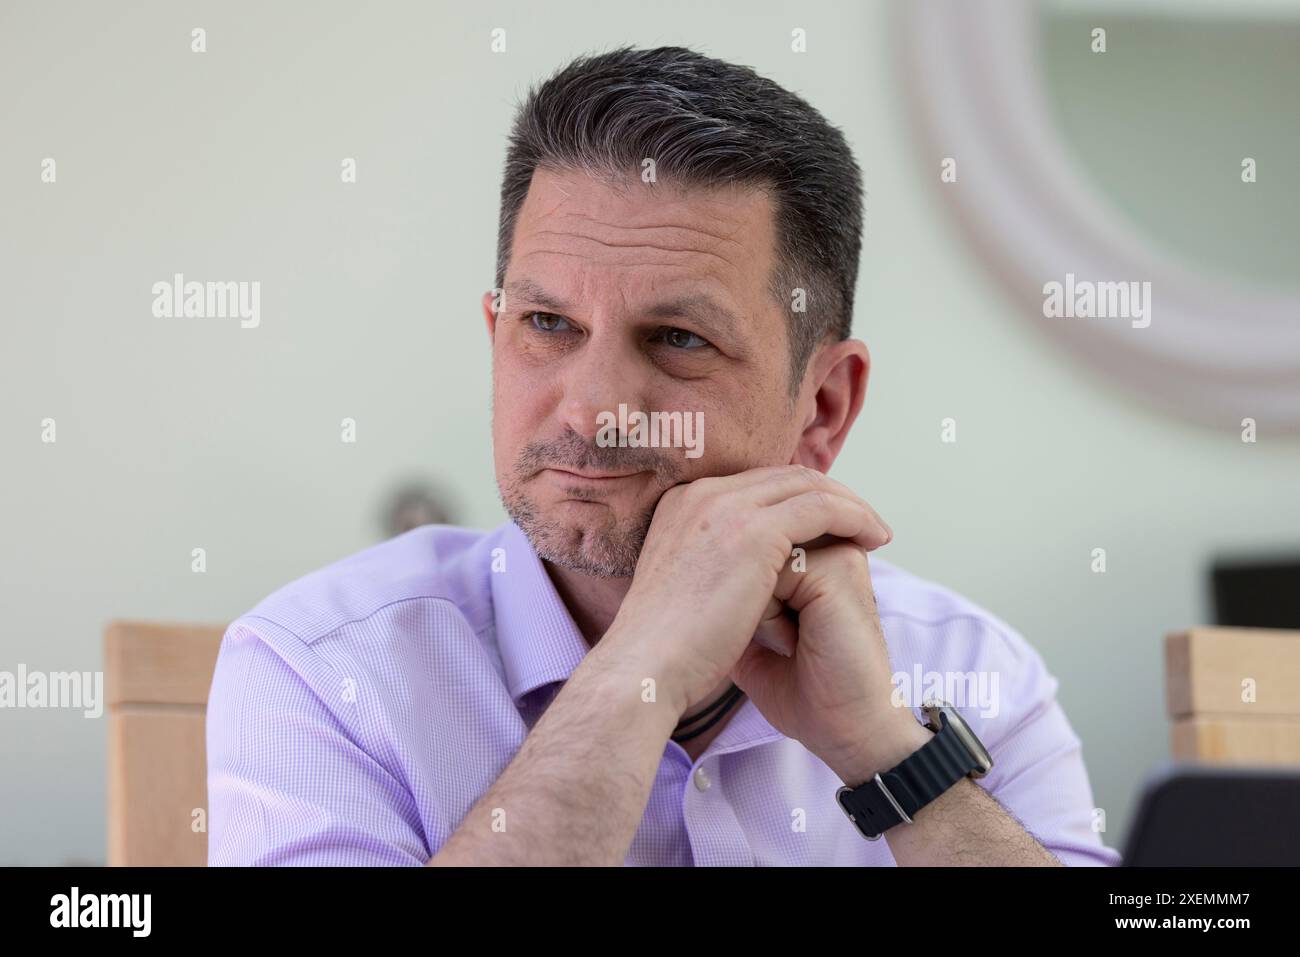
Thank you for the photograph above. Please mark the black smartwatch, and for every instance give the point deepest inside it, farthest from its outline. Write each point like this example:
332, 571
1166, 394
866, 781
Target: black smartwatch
895, 796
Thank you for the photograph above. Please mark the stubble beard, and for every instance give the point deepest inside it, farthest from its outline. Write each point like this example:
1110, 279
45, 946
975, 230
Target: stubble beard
601, 543
602, 548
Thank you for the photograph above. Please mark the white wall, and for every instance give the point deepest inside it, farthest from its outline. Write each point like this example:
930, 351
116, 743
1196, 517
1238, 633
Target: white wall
181, 434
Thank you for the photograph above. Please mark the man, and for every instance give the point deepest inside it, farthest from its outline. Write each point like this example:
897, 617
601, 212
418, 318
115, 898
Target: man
670, 655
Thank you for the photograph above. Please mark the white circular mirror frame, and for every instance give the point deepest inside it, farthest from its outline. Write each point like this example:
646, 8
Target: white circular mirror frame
1216, 350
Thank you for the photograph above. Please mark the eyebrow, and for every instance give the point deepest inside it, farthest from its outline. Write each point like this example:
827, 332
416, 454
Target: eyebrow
700, 308
530, 291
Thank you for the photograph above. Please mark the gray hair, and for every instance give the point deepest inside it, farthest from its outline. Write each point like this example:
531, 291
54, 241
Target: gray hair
705, 122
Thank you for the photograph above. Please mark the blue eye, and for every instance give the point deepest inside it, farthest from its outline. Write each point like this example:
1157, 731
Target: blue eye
681, 339
546, 321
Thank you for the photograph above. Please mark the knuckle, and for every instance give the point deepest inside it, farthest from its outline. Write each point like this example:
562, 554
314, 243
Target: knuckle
734, 521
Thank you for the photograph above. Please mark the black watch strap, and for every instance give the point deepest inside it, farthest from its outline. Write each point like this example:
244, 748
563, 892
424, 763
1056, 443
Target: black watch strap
896, 795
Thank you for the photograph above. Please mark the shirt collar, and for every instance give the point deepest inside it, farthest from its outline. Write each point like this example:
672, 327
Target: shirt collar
540, 643
536, 636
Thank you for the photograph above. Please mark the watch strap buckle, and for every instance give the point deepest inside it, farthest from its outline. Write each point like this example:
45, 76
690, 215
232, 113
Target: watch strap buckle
903, 816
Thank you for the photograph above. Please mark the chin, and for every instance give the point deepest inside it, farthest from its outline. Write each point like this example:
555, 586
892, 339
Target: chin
584, 537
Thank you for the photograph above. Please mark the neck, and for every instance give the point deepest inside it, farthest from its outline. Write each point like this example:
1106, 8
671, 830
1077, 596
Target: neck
593, 602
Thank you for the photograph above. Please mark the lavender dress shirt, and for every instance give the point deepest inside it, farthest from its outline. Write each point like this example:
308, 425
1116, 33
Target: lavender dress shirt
357, 714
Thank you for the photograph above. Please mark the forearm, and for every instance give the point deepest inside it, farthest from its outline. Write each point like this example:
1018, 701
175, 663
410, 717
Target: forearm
576, 791
963, 826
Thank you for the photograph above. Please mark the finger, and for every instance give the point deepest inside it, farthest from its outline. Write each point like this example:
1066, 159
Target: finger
769, 484
745, 479
812, 514
837, 563
776, 631
785, 483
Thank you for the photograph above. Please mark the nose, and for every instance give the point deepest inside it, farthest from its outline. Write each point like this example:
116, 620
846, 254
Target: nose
604, 373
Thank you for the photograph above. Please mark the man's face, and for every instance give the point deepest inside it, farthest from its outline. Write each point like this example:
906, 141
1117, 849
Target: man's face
644, 296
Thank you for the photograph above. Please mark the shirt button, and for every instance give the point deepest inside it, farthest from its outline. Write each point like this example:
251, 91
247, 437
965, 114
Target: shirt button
702, 781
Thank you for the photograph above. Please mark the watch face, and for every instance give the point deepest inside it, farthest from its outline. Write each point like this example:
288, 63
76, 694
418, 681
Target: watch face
964, 734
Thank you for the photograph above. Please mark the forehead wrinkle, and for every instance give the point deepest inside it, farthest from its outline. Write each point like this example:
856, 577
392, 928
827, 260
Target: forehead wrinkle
689, 250
723, 235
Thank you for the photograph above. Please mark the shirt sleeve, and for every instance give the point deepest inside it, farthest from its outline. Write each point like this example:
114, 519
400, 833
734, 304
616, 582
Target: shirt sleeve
1038, 772
288, 781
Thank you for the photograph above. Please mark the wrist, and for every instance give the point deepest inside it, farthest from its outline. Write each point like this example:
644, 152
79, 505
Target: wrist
880, 750
625, 663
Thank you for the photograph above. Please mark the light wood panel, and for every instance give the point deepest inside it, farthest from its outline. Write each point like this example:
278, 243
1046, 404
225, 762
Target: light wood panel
157, 678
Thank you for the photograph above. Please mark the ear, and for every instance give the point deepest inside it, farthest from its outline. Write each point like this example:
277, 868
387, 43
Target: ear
831, 397
490, 313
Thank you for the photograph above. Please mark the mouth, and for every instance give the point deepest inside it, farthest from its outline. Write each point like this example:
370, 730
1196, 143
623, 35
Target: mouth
569, 475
